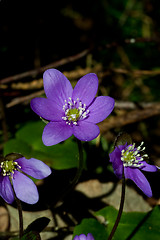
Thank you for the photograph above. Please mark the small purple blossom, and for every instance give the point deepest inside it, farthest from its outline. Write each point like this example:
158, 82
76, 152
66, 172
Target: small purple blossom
84, 237
130, 158
71, 112
16, 171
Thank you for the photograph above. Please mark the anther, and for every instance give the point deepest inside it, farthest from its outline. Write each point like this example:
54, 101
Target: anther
131, 156
74, 111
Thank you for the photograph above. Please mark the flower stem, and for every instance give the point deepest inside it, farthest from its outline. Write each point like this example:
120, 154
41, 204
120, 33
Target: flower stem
19, 207
120, 208
80, 164
79, 169
78, 173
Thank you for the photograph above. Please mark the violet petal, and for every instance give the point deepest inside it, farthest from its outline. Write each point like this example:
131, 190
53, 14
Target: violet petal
86, 88
90, 237
148, 167
76, 237
56, 86
6, 191
139, 179
115, 158
56, 132
85, 131
25, 188
47, 109
34, 167
82, 237
101, 107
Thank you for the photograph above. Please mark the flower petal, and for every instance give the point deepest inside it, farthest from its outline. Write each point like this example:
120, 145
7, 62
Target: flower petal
85, 131
56, 132
86, 88
47, 109
100, 109
82, 237
90, 237
56, 86
76, 237
6, 191
140, 180
148, 167
34, 167
115, 159
25, 188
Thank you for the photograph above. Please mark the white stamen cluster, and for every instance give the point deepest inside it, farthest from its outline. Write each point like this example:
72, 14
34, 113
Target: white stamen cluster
9, 167
74, 111
131, 156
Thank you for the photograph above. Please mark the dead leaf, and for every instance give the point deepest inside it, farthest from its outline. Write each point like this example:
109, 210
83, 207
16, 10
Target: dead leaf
4, 219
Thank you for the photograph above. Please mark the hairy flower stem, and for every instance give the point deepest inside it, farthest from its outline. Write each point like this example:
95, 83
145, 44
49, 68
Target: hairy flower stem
120, 208
73, 182
80, 167
19, 207
78, 173
80, 164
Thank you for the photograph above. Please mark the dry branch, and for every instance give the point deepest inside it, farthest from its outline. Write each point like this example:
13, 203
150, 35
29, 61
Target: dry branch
130, 117
35, 72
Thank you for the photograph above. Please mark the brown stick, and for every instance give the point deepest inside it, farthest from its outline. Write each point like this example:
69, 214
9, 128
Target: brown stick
3, 121
130, 117
23, 99
34, 72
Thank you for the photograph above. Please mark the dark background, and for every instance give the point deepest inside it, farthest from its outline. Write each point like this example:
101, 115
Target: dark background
122, 37
123, 43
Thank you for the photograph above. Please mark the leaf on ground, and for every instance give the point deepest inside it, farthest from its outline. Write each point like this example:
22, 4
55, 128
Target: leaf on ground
4, 219
91, 225
111, 194
38, 225
133, 225
32, 235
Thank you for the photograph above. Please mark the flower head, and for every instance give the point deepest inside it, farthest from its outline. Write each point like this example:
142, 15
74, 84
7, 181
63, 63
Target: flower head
84, 237
132, 160
71, 111
14, 169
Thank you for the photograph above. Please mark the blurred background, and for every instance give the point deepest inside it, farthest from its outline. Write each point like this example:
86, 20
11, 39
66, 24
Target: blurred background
118, 40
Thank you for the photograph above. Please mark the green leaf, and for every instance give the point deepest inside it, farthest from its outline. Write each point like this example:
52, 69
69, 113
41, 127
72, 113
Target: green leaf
133, 225
149, 228
38, 225
17, 146
31, 236
91, 225
28, 142
33, 229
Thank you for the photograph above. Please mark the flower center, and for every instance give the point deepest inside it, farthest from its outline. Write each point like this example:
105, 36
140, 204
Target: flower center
74, 111
73, 114
131, 156
8, 167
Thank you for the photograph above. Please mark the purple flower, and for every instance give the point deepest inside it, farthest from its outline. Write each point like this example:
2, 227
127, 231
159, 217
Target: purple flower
130, 158
71, 111
16, 170
84, 237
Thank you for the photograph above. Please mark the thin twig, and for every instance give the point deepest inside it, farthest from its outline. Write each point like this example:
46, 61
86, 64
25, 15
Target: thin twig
129, 117
35, 72
3, 121
133, 105
23, 99
135, 72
